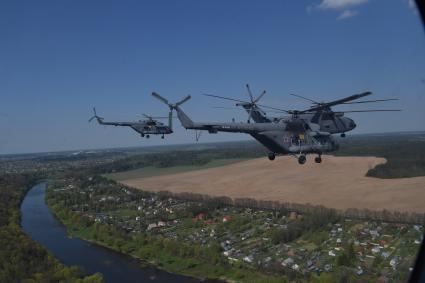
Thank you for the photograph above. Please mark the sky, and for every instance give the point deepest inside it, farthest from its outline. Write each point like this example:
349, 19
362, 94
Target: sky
59, 58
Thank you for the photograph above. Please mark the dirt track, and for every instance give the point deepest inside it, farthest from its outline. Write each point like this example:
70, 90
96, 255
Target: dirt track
338, 182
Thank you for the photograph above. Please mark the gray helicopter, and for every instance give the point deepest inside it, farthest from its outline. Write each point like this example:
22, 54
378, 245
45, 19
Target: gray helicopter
320, 113
144, 127
295, 135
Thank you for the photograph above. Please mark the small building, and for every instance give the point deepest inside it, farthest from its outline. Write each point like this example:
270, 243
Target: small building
227, 218
152, 226
288, 262
200, 216
327, 267
293, 215
394, 263
249, 258
385, 255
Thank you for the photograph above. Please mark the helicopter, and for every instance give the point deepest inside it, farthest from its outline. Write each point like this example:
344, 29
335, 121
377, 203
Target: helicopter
296, 135
320, 113
144, 127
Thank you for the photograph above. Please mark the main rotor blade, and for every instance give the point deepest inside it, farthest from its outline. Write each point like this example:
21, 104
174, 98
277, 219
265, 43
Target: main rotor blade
227, 108
274, 108
241, 101
227, 98
250, 93
259, 97
94, 111
371, 101
91, 119
374, 110
240, 109
152, 117
305, 98
322, 106
183, 100
156, 95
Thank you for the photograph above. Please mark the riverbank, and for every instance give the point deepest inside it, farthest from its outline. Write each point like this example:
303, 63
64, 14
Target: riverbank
204, 263
39, 222
22, 259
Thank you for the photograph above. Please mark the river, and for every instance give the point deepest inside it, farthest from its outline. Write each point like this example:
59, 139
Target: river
41, 225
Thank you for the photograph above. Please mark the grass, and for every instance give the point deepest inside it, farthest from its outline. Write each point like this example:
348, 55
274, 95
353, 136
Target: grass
152, 171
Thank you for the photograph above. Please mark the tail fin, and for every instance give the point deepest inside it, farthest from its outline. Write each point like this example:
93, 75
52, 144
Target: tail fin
170, 120
184, 119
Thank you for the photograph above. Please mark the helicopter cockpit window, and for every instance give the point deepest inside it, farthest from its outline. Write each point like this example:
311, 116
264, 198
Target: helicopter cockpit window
326, 117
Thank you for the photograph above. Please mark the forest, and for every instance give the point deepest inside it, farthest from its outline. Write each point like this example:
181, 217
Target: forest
405, 153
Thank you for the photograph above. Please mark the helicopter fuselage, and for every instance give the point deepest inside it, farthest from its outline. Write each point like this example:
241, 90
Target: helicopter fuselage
143, 127
146, 129
280, 137
333, 123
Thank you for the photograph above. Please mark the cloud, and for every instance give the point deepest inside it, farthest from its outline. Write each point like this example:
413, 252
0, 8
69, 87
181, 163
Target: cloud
347, 14
340, 4
412, 6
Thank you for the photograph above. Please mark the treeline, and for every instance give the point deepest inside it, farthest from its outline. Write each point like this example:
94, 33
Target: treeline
209, 202
405, 153
283, 207
179, 158
21, 258
385, 216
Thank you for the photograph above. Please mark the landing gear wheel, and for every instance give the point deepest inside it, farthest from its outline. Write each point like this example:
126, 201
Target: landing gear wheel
271, 156
162, 137
147, 136
318, 159
343, 135
302, 159
143, 135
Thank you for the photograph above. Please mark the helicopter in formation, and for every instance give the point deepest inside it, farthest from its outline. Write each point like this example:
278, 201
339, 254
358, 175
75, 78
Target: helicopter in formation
299, 133
150, 126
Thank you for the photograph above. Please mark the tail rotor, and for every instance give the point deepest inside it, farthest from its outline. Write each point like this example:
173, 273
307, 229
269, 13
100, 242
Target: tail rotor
95, 116
170, 105
184, 119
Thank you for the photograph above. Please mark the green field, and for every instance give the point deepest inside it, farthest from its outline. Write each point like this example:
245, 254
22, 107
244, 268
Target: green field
151, 171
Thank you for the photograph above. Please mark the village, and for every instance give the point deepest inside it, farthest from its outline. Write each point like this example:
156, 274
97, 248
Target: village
248, 236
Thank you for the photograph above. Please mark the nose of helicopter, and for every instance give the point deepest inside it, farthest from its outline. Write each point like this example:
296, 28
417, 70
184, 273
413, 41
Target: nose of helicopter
351, 124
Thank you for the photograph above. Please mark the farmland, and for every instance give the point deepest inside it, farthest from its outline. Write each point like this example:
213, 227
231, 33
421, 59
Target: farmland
339, 182
151, 171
